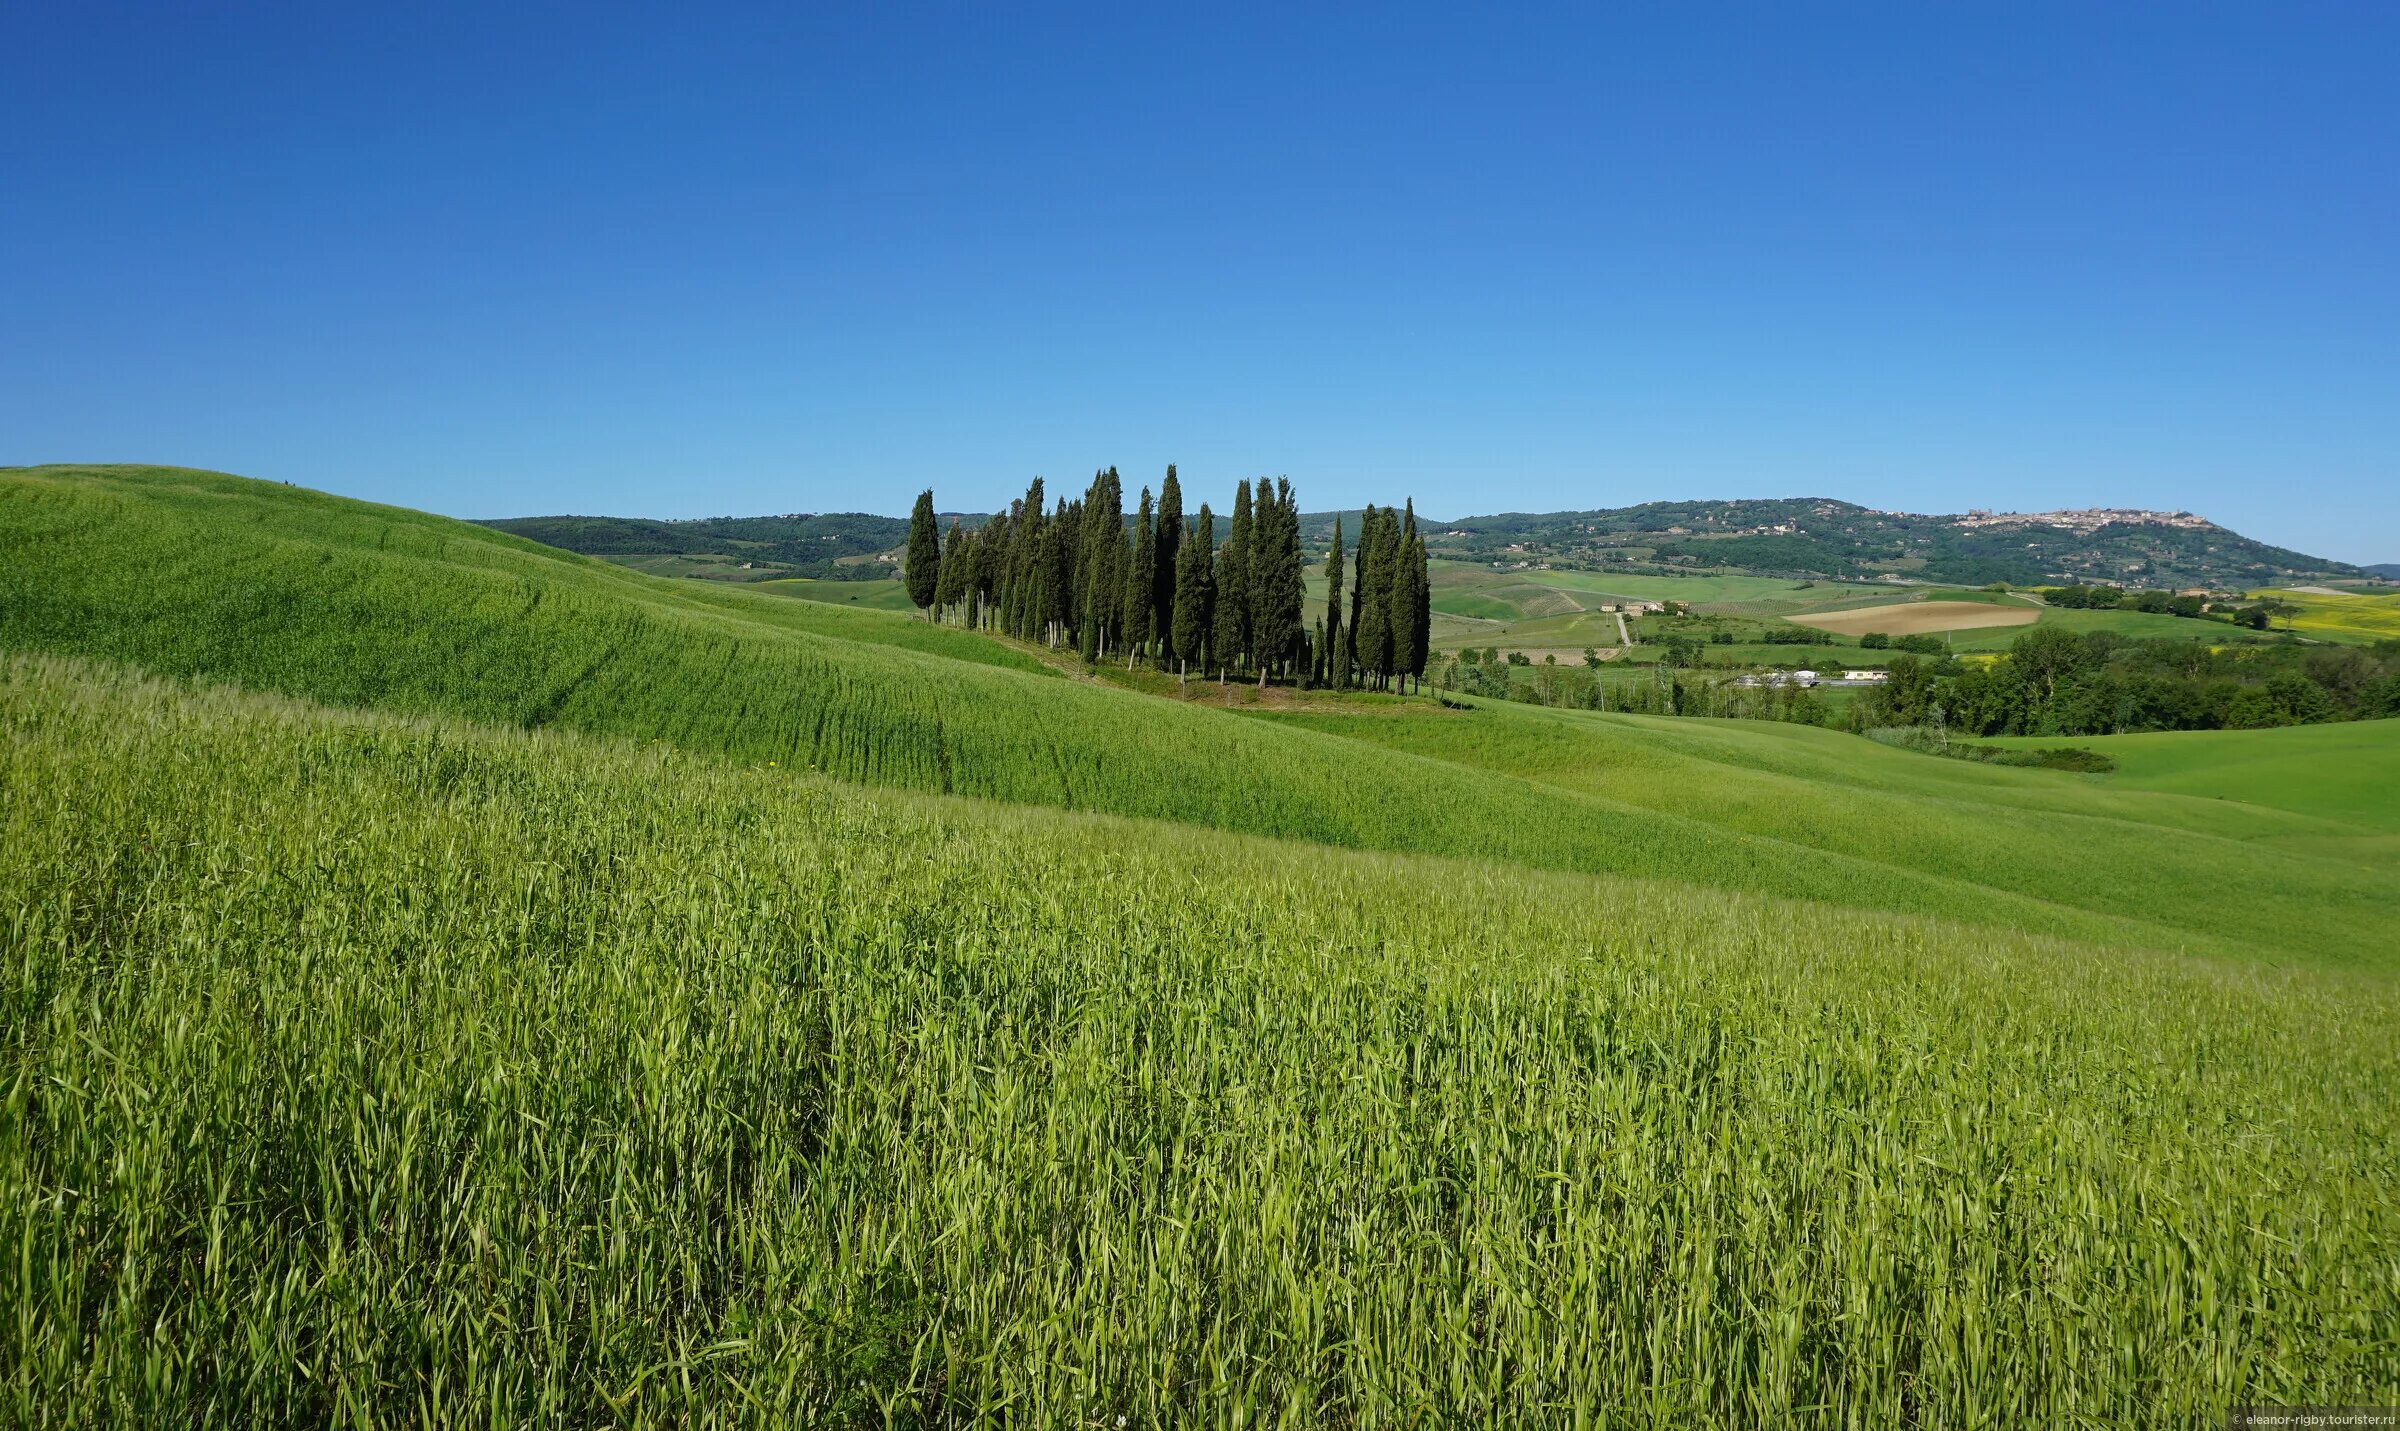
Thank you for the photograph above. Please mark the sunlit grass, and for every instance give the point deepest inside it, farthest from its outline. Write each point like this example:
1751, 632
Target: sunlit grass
364, 1069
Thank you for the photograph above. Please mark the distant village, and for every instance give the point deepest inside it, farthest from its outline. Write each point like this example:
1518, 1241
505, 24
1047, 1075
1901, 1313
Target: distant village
2084, 519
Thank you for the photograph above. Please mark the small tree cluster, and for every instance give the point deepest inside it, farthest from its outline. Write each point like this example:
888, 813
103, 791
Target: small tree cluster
1154, 591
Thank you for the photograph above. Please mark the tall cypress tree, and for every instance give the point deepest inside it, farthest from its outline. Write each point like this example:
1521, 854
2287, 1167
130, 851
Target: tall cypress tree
1101, 580
1059, 540
987, 578
1404, 598
1276, 580
924, 569
1352, 655
1421, 628
1374, 623
1139, 621
1022, 615
1233, 586
950, 587
1170, 551
1194, 590
1331, 642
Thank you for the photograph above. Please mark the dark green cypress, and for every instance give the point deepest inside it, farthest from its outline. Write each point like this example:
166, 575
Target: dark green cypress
1233, 587
950, 587
1060, 543
1140, 619
1374, 623
1276, 581
1331, 643
1352, 658
924, 569
1170, 549
1404, 599
1101, 580
1421, 629
1023, 617
1194, 590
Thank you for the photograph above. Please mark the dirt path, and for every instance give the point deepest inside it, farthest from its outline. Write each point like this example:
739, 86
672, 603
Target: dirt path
1624, 637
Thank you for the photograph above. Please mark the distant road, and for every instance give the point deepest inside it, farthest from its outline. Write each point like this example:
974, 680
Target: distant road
1624, 637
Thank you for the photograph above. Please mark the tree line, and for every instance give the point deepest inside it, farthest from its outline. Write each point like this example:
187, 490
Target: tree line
2055, 682
1162, 590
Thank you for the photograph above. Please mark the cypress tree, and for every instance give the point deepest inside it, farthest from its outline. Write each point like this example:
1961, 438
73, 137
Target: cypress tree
1170, 550
1059, 539
1374, 620
1233, 587
1387, 593
1022, 616
924, 569
1139, 621
1404, 599
1330, 642
1101, 580
1194, 588
1276, 580
950, 588
1421, 629
1353, 660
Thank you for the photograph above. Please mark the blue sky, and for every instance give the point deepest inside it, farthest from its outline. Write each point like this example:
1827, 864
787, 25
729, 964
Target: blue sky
661, 261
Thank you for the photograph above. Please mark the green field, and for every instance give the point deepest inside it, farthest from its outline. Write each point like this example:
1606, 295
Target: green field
438, 988
1733, 594
2133, 625
2347, 772
2358, 619
1509, 595
884, 595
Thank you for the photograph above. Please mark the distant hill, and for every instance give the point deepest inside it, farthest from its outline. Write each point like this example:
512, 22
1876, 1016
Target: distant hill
1794, 536
796, 543
1824, 537
2390, 569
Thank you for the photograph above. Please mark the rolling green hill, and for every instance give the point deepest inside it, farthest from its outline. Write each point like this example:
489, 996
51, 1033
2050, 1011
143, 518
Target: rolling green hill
658, 1089
449, 978
313, 596
2348, 771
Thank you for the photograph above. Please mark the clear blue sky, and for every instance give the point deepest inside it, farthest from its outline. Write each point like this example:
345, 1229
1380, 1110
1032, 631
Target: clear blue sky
808, 257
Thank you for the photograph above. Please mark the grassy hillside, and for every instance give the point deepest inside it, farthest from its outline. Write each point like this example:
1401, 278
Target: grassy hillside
2349, 771
2353, 618
885, 595
1919, 617
2060, 839
2133, 625
284, 590
502, 1022
365, 1068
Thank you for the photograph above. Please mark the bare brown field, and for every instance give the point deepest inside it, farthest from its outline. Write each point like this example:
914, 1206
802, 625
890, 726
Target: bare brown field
1910, 618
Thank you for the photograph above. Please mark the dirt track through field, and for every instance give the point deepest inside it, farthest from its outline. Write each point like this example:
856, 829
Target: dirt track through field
1911, 618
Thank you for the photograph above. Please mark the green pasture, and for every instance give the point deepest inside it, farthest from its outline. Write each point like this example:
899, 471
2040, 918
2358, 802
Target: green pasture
886, 595
2347, 771
2204, 870
2133, 625
2359, 619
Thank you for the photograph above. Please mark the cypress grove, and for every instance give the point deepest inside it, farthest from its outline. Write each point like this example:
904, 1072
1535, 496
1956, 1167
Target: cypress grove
1155, 591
